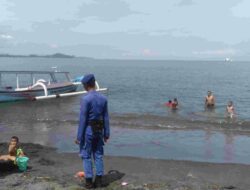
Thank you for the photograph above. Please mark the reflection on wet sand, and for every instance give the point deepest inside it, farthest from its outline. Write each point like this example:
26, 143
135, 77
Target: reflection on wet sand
229, 147
208, 147
170, 137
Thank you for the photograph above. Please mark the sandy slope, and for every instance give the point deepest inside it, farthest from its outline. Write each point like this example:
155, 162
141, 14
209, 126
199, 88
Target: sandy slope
52, 170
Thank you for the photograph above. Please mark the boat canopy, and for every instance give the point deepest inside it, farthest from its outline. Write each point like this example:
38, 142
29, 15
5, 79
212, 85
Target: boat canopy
49, 88
32, 74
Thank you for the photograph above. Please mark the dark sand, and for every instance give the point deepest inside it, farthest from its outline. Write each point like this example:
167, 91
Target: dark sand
51, 170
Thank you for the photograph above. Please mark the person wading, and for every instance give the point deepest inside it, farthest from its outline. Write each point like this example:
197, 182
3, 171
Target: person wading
93, 131
209, 100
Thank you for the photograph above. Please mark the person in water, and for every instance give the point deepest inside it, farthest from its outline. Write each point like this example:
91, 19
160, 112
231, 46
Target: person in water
169, 103
230, 110
209, 100
14, 150
175, 104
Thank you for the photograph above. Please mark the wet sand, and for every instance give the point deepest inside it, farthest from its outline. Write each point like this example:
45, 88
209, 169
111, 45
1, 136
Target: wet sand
49, 169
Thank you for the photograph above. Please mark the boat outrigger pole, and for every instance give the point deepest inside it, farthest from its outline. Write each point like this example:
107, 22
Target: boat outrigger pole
40, 89
68, 94
17, 81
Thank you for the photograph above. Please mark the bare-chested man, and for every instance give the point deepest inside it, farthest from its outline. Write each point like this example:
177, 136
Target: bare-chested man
13, 150
209, 100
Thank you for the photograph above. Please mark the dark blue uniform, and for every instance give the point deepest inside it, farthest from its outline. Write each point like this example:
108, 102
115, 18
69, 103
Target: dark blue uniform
94, 107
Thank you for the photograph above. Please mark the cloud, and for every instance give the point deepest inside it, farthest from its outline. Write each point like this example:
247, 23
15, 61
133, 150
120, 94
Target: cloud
164, 16
148, 52
186, 3
244, 49
21, 15
6, 40
5, 14
242, 9
6, 36
126, 28
132, 45
54, 46
216, 52
28, 11
109, 10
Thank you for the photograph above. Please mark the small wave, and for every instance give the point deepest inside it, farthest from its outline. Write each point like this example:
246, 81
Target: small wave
148, 121
128, 145
171, 126
158, 143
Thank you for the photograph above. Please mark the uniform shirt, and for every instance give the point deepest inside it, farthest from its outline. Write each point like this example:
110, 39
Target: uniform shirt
94, 106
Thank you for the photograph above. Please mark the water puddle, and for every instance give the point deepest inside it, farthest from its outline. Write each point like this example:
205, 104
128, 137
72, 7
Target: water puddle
197, 145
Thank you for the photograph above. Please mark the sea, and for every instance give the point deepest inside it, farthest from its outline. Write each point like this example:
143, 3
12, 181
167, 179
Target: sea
138, 90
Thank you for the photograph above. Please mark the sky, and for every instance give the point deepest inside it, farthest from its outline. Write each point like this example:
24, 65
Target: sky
127, 29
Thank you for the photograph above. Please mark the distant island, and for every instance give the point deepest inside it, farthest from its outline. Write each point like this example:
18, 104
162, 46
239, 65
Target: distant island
56, 55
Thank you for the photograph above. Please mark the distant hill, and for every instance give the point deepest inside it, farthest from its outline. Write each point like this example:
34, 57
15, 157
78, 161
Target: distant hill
56, 55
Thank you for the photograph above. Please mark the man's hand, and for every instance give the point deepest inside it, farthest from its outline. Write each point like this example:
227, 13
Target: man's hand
106, 139
77, 141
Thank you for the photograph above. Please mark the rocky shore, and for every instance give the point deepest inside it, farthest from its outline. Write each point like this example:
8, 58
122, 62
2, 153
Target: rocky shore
49, 170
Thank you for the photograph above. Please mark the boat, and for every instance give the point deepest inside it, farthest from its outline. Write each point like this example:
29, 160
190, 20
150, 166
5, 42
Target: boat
30, 86
228, 59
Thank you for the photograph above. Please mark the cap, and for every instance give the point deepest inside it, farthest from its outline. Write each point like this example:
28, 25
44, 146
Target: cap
88, 79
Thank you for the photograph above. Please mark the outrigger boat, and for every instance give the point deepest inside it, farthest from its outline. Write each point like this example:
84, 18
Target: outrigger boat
41, 88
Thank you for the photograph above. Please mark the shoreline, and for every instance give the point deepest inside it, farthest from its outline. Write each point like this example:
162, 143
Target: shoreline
157, 122
48, 168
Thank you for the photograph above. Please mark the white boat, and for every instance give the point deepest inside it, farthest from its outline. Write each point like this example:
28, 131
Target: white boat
38, 89
227, 59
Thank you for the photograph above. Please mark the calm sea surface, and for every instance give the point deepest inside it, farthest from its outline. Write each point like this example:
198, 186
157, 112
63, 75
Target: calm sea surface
139, 87
143, 86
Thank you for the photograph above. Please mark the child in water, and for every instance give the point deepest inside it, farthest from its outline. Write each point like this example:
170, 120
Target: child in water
169, 104
175, 104
172, 104
230, 110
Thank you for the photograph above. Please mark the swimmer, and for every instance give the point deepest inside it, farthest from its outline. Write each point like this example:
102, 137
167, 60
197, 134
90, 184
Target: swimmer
230, 110
209, 100
175, 104
169, 104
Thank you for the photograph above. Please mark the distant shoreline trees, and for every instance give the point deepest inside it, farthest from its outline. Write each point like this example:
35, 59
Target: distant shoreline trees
56, 55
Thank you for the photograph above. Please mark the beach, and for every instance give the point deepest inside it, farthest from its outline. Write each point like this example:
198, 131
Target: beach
157, 90
150, 147
49, 169
145, 151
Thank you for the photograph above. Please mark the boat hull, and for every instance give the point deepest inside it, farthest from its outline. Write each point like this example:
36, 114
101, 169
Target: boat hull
7, 96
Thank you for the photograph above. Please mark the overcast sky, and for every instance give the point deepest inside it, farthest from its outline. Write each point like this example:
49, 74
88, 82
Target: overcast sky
127, 29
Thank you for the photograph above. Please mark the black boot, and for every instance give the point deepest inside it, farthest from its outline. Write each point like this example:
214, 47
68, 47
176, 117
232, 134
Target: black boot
98, 181
88, 183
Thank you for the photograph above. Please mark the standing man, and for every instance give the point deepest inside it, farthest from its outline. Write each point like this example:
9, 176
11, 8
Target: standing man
209, 100
93, 131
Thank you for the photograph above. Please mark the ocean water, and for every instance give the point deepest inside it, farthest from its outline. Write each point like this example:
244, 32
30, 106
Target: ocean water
139, 89
144, 86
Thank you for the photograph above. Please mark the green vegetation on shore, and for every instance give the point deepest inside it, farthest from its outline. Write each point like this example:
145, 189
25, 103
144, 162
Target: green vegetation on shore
56, 55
